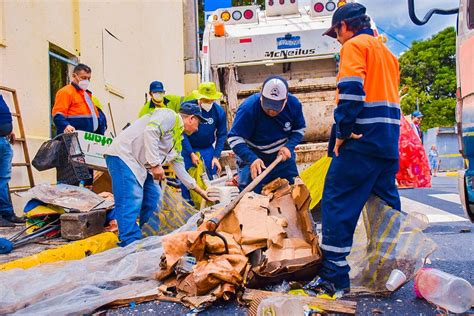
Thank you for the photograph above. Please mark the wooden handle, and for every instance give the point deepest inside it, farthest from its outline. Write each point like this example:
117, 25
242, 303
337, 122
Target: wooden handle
214, 222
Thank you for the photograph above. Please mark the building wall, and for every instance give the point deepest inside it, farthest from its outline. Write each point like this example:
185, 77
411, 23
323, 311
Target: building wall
147, 44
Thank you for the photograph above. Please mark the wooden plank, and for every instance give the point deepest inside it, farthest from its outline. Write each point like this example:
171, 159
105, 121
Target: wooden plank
136, 300
338, 306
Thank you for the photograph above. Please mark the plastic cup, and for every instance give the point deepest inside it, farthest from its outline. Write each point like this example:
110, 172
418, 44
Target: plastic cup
396, 279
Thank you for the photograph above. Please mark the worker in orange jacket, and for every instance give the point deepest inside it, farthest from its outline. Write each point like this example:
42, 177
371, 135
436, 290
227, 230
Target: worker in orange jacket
367, 129
74, 106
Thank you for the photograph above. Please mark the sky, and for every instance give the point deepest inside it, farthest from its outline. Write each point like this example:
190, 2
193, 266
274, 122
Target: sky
392, 17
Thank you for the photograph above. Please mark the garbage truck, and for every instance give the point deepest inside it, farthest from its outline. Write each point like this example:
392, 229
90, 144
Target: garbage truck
243, 45
464, 93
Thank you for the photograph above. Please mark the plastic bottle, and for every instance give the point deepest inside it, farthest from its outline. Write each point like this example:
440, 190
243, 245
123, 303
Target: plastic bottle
445, 290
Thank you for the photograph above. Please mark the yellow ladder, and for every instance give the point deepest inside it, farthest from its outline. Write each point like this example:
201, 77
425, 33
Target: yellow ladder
22, 140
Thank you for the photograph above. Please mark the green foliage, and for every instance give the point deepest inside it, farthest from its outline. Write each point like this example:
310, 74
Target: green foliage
428, 76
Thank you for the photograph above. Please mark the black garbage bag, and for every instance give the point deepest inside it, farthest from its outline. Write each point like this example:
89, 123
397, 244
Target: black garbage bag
48, 156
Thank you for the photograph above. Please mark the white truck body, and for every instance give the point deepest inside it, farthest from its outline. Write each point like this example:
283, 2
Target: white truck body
287, 40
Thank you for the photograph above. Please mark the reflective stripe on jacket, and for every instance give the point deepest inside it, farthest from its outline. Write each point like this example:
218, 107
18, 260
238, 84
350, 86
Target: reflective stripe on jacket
367, 98
71, 108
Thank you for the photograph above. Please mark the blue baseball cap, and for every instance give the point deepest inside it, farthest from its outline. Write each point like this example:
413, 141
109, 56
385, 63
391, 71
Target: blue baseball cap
417, 114
347, 11
274, 93
157, 86
192, 108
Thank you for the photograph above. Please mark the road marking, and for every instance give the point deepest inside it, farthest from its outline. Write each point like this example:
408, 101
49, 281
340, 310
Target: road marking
450, 197
434, 215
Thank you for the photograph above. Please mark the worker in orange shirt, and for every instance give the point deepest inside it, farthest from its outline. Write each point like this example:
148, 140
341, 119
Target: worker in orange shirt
75, 108
367, 130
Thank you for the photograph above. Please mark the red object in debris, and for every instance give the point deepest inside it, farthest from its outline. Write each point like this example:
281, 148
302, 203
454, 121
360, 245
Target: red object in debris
234, 182
246, 40
414, 169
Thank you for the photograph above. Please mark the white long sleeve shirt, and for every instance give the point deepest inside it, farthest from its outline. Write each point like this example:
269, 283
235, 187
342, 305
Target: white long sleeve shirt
149, 142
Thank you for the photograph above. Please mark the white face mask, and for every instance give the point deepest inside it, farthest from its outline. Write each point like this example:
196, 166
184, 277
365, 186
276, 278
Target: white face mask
206, 106
158, 97
84, 84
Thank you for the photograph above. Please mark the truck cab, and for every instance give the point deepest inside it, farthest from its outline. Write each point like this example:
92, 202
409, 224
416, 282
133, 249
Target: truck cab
464, 93
465, 101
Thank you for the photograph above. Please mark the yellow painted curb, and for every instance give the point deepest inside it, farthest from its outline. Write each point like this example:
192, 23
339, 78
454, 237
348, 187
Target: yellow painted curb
452, 174
73, 251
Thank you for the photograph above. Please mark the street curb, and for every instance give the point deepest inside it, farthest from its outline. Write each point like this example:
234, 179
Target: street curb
452, 174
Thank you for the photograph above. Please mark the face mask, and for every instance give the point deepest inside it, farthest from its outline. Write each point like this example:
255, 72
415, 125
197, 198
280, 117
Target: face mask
83, 84
206, 106
157, 97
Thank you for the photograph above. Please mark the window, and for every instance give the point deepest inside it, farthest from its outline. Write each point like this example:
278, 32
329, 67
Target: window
61, 65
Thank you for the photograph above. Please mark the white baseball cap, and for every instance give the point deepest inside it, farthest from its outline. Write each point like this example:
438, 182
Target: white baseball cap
274, 93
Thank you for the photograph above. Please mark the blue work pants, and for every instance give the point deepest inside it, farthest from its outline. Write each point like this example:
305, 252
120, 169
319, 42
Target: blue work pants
132, 200
352, 177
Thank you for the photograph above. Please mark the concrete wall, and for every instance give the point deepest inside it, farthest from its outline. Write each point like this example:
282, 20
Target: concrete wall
149, 47
445, 139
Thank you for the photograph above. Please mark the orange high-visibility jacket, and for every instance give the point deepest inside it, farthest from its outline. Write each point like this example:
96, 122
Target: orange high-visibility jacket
70, 108
367, 98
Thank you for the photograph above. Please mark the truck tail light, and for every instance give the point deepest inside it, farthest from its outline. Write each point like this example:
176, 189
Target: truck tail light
225, 16
248, 14
236, 15
319, 7
341, 3
330, 6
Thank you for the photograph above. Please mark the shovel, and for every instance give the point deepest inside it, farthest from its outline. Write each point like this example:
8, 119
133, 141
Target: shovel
212, 223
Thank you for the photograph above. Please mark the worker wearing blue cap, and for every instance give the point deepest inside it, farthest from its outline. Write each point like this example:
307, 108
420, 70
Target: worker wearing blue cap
136, 158
158, 99
267, 124
416, 118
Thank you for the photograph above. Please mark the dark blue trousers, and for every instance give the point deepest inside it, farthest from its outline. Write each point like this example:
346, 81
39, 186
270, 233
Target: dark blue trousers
351, 179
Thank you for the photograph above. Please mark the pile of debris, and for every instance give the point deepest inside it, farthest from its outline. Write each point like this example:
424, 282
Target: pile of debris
266, 239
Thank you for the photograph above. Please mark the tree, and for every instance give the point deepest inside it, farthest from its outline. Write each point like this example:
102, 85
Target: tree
428, 76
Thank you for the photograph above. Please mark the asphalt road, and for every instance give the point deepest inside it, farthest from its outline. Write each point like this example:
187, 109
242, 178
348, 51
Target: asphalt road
448, 227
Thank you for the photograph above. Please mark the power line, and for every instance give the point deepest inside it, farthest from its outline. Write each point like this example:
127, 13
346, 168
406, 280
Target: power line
393, 37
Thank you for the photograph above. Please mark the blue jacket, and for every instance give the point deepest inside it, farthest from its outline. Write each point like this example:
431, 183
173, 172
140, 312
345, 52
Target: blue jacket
208, 133
5, 118
255, 135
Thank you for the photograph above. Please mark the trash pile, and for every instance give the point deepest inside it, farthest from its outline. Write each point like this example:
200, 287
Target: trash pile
263, 253
266, 239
